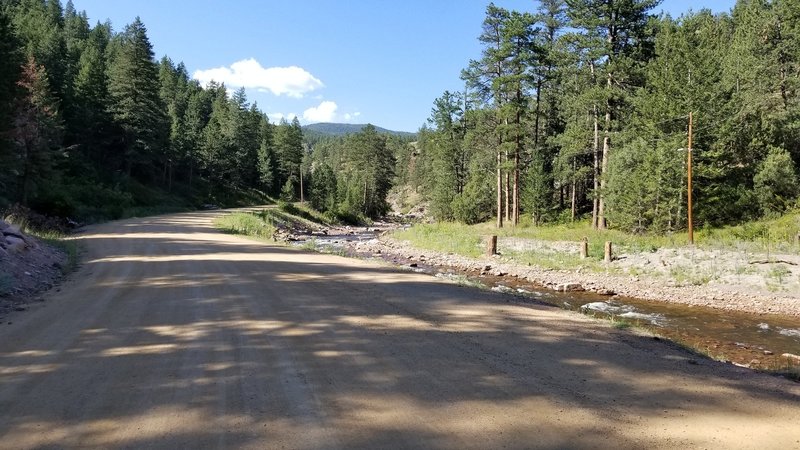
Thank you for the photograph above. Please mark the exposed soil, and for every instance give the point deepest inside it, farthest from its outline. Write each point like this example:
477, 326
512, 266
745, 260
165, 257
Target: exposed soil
28, 267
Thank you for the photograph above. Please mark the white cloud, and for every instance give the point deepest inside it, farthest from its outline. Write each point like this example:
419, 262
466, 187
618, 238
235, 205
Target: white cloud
291, 81
348, 117
325, 112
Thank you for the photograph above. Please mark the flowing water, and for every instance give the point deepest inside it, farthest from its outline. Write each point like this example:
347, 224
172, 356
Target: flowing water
752, 340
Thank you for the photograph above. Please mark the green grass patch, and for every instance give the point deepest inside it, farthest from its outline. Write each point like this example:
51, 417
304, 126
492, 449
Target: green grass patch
248, 224
769, 235
445, 237
766, 235
298, 211
62, 242
620, 324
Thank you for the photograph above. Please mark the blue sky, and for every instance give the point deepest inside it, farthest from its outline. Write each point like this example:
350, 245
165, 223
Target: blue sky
358, 61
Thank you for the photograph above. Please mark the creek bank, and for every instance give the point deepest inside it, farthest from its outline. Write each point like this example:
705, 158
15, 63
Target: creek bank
749, 331
643, 275
730, 297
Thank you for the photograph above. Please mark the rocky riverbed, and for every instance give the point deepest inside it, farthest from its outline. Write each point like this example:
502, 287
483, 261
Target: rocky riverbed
727, 280
736, 318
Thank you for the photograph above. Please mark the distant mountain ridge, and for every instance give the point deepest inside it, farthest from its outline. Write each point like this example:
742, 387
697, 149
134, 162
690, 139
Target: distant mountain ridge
341, 129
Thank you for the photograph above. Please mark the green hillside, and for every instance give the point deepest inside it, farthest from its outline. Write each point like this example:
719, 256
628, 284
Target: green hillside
341, 129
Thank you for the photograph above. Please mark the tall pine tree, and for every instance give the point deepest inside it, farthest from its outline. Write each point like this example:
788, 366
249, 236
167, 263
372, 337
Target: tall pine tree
136, 105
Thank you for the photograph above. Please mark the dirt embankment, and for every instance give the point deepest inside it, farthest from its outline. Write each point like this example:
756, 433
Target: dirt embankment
692, 276
28, 267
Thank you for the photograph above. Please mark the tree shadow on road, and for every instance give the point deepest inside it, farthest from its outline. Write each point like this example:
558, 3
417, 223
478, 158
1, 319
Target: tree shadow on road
188, 342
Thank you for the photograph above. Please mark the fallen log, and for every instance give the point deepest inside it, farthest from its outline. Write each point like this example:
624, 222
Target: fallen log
772, 261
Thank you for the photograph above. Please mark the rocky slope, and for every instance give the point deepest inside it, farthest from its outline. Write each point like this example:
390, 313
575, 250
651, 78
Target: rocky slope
27, 268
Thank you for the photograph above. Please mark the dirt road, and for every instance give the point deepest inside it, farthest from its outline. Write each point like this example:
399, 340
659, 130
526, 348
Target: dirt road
172, 335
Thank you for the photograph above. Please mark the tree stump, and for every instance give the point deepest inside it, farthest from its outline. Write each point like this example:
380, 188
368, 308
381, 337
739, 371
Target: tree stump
491, 245
585, 248
608, 256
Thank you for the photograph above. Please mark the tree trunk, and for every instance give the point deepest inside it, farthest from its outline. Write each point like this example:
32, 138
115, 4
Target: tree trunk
601, 218
536, 114
507, 198
24, 184
499, 189
574, 198
365, 197
596, 171
601, 206
517, 151
595, 153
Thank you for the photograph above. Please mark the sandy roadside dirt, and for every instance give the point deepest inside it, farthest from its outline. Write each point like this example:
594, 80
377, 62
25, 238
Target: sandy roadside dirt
172, 335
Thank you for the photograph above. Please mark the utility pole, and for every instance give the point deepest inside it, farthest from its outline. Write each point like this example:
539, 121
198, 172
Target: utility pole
689, 184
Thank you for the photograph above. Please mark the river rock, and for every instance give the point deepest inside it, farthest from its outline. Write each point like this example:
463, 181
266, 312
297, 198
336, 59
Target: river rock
3, 225
570, 287
791, 358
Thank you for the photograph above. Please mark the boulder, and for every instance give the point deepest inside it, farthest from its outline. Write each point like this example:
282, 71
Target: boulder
570, 287
15, 244
14, 231
3, 225
794, 359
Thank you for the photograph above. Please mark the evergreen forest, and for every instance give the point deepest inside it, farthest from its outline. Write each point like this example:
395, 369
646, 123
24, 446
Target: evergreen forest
574, 110
581, 109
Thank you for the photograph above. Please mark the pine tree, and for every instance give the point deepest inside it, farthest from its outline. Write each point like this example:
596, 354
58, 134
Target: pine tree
37, 130
288, 145
447, 154
217, 145
136, 105
40, 25
266, 156
91, 124
10, 63
616, 36
196, 117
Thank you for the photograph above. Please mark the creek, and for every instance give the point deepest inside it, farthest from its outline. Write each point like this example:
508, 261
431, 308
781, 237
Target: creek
751, 340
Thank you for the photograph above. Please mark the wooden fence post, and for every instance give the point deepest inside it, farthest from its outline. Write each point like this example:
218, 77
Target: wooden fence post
608, 256
585, 248
491, 245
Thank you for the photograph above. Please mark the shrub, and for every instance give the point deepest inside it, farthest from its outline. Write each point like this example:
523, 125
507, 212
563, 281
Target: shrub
776, 184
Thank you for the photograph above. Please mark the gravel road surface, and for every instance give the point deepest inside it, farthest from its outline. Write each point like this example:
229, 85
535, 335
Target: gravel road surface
173, 335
